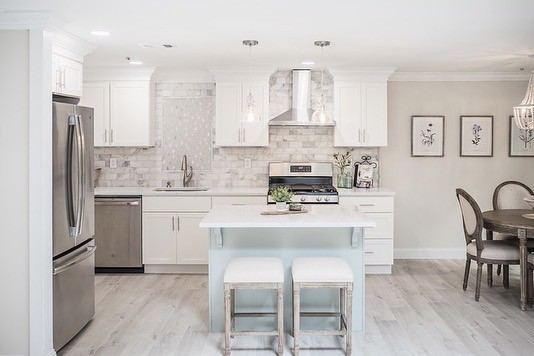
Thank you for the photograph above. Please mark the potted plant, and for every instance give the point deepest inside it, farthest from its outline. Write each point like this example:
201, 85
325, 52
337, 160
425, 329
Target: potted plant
281, 195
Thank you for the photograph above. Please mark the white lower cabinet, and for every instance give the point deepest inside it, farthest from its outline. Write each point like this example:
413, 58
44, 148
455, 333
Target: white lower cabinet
378, 240
171, 235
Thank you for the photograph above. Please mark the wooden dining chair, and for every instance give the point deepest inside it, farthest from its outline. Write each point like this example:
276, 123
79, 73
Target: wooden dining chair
482, 251
509, 195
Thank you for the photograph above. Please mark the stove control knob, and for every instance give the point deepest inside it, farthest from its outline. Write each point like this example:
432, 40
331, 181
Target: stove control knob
303, 198
326, 198
318, 198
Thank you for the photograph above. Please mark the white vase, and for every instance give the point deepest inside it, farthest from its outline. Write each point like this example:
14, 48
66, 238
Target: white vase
281, 206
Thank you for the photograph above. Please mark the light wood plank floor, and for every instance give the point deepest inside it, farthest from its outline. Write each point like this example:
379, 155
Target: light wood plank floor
420, 309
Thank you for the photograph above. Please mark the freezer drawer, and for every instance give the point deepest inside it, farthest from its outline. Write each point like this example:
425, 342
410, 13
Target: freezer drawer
74, 293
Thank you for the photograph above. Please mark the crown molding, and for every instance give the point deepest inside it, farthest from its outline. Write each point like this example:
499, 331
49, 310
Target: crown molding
183, 76
117, 73
67, 44
458, 76
361, 74
241, 73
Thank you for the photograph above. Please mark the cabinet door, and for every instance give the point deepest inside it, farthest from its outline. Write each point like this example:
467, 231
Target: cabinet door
192, 246
348, 114
71, 75
130, 114
374, 111
96, 96
56, 80
228, 108
159, 238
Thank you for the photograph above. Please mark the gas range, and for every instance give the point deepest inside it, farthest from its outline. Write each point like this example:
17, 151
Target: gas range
311, 182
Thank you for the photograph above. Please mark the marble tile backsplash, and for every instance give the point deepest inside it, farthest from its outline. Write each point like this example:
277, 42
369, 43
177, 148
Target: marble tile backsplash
146, 166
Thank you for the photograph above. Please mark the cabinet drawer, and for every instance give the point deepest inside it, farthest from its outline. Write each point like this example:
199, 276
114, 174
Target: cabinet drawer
239, 200
369, 204
378, 252
383, 228
186, 204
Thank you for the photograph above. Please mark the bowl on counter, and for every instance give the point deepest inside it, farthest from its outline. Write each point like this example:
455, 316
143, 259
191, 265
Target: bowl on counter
295, 206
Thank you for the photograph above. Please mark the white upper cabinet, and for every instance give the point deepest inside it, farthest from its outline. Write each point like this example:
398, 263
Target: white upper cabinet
67, 76
360, 108
124, 112
232, 89
67, 64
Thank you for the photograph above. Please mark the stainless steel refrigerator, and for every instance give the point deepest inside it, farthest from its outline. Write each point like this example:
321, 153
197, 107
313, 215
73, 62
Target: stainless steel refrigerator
73, 220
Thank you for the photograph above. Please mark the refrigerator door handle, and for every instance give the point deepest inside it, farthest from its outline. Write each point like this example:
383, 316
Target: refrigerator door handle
81, 175
77, 260
73, 231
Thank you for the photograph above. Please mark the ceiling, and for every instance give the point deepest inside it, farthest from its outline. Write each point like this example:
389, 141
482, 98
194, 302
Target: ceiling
412, 35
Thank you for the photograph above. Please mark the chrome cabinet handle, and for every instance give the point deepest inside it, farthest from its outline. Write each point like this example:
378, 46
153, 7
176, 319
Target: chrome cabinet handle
244, 136
111, 136
105, 135
116, 203
367, 205
173, 223
359, 135
364, 136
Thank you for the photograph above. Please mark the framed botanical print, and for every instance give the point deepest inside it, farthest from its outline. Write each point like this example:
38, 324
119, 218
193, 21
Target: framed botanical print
521, 141
427, 136
476, 136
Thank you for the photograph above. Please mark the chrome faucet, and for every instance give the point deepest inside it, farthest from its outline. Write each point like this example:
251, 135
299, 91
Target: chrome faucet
188, 171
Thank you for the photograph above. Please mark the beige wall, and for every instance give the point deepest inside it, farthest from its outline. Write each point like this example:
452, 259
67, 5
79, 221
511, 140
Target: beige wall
14, 217
427, 217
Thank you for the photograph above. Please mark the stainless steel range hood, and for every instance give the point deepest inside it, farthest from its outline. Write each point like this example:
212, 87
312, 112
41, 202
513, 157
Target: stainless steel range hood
300, 114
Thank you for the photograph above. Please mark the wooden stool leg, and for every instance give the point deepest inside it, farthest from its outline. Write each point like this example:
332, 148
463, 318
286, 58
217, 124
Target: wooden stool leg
296, 318
227, 319
280, 312
348, 316
479, 277
490, 275
506, 276
342, 307
466, 273
530, 286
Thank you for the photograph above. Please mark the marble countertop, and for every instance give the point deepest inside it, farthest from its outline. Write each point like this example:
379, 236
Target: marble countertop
228, 191
318, 216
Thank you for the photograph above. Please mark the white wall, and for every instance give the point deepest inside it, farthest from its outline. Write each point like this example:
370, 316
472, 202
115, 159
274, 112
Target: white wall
14, 217
427, 217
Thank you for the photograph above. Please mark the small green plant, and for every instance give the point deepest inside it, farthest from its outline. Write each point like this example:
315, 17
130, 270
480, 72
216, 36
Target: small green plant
281, 194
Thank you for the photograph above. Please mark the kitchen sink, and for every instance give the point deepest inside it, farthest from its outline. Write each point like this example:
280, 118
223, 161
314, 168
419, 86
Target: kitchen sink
181, 189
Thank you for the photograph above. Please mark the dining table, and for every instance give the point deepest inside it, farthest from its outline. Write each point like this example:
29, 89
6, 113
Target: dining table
518, 222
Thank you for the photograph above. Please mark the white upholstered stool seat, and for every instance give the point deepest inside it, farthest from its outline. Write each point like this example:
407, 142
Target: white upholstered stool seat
253, 273
323, 272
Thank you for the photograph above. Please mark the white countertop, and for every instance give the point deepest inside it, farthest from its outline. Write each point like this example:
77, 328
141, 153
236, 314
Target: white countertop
222, 191
318, 216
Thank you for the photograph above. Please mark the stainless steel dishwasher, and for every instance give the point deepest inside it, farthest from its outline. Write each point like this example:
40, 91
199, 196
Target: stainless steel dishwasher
118, 234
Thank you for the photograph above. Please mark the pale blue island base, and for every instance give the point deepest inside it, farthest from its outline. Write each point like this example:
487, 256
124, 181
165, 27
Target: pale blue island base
238, 231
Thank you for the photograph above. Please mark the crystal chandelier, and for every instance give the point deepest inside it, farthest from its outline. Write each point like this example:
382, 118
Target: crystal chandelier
251, 112
321, 114
524, 112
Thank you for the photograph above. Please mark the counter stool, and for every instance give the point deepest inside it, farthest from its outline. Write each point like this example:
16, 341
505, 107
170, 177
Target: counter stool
253, 273
323, 272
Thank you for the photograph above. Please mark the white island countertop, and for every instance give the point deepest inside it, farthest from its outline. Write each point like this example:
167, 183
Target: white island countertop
249, 216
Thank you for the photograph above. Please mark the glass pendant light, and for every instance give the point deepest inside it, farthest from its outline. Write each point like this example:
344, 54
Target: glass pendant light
321, 114
524, 112
251, 112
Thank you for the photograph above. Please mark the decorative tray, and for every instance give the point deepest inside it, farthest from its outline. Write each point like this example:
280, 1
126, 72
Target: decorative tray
274, 212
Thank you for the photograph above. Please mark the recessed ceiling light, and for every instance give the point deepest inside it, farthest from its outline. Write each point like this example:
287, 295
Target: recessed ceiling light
146, 45
307, 63
100, 33
136, 62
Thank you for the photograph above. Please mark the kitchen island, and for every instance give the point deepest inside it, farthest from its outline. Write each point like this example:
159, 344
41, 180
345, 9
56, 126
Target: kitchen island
326, 230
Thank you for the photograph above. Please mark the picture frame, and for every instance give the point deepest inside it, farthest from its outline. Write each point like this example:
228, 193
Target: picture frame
428, 133
521, 142
363, 177
476, 136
